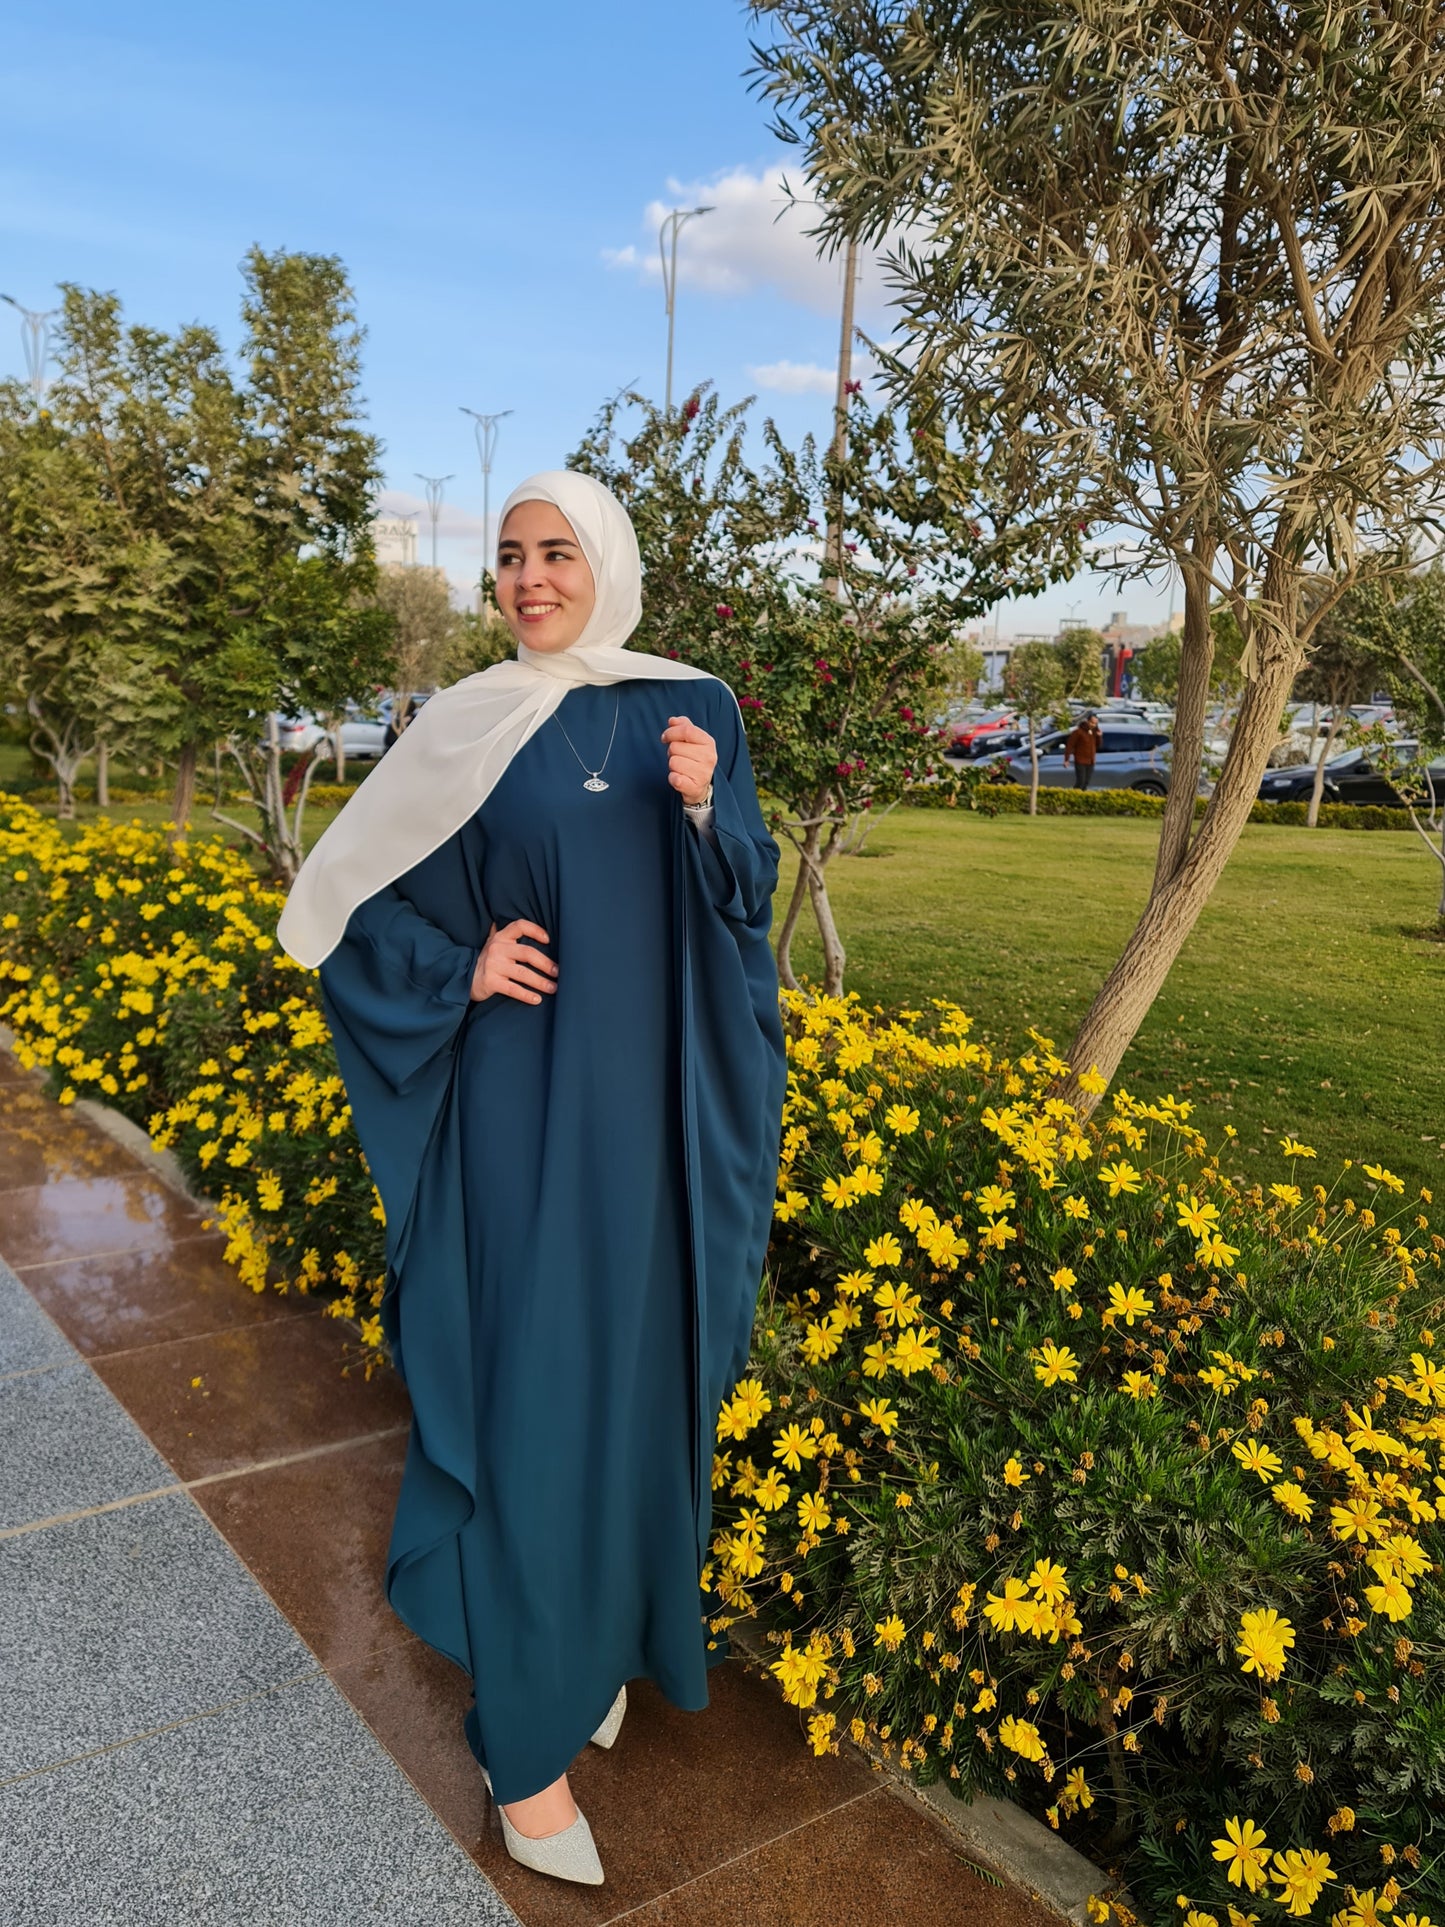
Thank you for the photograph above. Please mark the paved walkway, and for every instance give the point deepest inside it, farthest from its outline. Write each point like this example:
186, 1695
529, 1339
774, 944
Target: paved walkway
208, 1713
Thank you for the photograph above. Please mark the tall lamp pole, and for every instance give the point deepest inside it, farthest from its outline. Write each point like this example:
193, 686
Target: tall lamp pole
35, 333
667, 247
486, 433
435, 489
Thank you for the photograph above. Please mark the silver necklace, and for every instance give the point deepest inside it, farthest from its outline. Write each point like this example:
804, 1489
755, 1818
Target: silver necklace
594, 776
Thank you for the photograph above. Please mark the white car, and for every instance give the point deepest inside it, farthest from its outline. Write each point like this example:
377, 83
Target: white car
363, 739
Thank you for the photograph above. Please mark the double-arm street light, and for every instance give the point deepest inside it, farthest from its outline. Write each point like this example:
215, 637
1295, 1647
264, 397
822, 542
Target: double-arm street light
435, 489
486, 432
35, 333
667, 247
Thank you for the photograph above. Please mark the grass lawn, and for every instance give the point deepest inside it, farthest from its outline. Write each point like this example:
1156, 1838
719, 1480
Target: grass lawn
1300, 1003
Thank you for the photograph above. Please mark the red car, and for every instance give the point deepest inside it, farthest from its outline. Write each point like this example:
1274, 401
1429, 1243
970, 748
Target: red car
970, 738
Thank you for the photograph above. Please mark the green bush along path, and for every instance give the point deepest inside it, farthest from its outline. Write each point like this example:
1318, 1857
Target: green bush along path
1304, 1001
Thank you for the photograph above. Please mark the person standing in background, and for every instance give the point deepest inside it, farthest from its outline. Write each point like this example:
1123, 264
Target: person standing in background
1081, 747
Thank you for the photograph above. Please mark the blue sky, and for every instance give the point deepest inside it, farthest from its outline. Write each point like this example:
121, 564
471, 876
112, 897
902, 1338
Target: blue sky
491, 176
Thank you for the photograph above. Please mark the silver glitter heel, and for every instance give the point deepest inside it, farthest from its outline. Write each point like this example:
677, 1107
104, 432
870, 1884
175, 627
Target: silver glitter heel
612, 1725
568, 1855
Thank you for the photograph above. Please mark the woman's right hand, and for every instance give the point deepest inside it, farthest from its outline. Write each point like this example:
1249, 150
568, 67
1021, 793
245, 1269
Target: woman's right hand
511, 968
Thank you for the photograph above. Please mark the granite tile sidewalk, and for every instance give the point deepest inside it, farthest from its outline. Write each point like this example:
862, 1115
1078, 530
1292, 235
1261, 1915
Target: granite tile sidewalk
209, 1713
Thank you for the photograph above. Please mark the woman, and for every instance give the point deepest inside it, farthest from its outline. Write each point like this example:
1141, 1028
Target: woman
542, 930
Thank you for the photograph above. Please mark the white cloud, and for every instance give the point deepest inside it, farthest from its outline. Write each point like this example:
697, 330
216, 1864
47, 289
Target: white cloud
756, 237
795, 377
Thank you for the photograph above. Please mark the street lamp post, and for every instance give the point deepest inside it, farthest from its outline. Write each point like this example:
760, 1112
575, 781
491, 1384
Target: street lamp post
486, 433
667, 247
435, 488
35, 333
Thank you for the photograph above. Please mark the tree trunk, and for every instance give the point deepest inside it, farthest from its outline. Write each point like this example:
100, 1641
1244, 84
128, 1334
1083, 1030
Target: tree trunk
790, 922
1173, 908
1313, 818
338, 750
834, 956
65, 754
1196, 660
1033, 769
183, 796
102, 775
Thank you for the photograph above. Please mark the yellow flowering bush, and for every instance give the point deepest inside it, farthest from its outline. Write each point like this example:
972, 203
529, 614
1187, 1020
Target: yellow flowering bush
1073, 1467
146, 975
1067, 1465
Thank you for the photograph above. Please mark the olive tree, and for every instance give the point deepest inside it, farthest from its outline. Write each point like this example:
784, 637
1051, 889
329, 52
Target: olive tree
1182, 268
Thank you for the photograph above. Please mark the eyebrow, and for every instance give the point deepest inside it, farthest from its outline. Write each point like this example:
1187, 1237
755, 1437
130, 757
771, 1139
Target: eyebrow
550, 542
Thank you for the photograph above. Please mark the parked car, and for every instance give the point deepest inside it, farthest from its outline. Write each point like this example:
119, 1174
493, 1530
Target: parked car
1353, 777
971, 737
1132, 756
362, 736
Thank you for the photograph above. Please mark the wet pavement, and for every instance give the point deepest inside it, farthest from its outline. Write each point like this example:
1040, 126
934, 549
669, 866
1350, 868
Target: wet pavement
210, 1714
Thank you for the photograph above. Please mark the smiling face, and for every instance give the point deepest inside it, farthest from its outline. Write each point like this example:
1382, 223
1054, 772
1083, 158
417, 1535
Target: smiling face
545, 589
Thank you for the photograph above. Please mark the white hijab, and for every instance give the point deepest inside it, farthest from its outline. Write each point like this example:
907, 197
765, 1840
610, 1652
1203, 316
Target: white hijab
448, 761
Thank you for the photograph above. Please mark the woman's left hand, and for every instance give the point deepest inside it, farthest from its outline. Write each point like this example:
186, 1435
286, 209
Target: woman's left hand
691, 758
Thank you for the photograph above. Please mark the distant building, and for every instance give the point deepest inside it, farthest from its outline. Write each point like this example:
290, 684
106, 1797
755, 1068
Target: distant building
395, 538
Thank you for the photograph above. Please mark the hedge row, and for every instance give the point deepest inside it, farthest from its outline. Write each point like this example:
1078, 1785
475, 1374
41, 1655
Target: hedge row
1012, 799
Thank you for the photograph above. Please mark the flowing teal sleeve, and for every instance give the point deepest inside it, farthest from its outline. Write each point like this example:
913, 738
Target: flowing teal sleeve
400, 985
739, 860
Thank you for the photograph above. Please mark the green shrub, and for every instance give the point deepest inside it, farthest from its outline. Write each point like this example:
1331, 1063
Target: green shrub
1012, 799
1048, 1422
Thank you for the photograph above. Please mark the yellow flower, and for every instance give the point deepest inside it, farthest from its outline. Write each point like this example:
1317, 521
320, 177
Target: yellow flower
1214, 1251
1048, 1580
1075, 1208
1077, 1789
813, 1514
269, 1194
1255, 1457
898, 1306
900, 1119
911, 1353
1013, 1473
1021, 1737
1063, 1279
888, 1633
1138, 1385
1093, 1081
1294, 1499
993, 1200
840, 1192
1196, 1218
1002, 1610
1382, 1176
987, 1700
1243, 1847
1292, 1148
820, 1732
1358, 1518
1288, 1194
884, 1251
1392, 1598
793, 1445
1264, 1638
1130, 1304
750, 1401
880, 1413
1120, 1176
1301, 1876
771, 1492
1055, 1364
